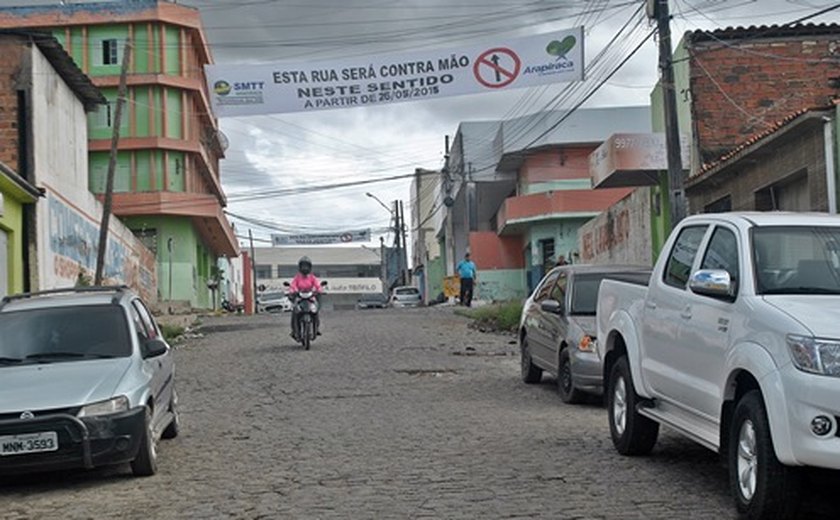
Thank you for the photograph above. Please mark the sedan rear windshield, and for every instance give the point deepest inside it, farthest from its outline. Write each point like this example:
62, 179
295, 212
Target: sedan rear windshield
585, 293
63, 334
408, 291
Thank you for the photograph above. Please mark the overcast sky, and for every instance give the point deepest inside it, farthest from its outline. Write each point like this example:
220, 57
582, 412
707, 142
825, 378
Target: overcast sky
291, 150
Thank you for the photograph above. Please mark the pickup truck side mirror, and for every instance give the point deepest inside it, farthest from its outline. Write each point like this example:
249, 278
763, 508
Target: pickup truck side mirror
552, 306
712, 282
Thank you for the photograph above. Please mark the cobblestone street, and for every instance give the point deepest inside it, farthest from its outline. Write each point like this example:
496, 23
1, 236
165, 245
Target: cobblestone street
392, 414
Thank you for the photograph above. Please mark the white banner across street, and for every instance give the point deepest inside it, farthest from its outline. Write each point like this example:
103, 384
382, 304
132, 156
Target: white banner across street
241, 90
346, 237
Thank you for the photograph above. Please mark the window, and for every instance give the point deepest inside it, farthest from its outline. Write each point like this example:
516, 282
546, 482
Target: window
142, 333
263, 272
546, 286
719, 206
148, 321
86, 330
685, 249
790, 194
547, 254
558, 292
722, 253
797, 259
110, 52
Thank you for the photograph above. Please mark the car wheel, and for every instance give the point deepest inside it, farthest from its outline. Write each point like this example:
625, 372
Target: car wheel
763, 487
631, 432
565, 385
174, 427
145, 464
530, 372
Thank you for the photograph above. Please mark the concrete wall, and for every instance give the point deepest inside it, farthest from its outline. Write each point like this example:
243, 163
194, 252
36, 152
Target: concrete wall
802, 152
620, 235
501, 285
68, 220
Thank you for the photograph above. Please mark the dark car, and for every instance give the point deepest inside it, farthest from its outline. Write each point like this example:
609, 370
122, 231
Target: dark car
372, 301
557, 329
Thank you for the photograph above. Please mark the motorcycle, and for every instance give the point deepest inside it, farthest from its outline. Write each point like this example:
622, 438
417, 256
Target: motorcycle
305, 305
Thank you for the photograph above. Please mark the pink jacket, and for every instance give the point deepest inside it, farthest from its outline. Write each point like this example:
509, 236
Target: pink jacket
305, 283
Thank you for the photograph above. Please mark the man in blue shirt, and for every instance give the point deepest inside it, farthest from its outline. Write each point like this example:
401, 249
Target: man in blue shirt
466, 270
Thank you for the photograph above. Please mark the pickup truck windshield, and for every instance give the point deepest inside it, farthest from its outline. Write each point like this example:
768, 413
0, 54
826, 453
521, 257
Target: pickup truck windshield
797, 259
63, 334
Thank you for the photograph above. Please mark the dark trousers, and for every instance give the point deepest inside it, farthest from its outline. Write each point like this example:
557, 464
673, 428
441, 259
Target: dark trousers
466, 291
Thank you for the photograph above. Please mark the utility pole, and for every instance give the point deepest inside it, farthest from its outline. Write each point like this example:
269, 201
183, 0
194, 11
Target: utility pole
112, 166
676, 196
405, 245
253, 269
398, 241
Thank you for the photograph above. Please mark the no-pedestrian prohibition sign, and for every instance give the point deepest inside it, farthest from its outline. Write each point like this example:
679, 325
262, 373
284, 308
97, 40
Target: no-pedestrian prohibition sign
497, 67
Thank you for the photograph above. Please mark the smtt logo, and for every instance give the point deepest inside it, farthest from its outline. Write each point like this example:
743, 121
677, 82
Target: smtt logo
222, 87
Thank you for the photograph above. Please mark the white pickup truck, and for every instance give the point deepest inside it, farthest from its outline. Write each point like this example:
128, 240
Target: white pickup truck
734, 343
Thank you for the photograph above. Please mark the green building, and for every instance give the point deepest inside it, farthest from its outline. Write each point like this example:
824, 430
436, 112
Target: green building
167, 185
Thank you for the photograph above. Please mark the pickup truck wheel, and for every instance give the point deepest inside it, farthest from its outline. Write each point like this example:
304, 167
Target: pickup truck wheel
530, 372
631, 432
763, 487
565, 386
145, 464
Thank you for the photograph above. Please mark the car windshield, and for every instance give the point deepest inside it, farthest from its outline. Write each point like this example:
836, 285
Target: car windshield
585, 293
797, 259
272, 297
63, 334
408, 291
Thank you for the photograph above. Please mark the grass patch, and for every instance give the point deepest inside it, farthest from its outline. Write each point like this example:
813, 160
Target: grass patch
497, 317
170, 332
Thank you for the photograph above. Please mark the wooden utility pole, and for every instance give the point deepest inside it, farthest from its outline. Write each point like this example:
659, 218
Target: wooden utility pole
112, 166
676, 195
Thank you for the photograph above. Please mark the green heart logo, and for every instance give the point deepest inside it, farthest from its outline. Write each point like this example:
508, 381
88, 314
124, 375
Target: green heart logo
560, 49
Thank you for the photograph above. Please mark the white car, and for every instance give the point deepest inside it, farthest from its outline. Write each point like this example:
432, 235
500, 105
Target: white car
735, 343
406, 297
274, 302
86, 379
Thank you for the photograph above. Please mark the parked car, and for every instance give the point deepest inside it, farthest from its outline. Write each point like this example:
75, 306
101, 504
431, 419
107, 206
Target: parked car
274, 301
86, 379
406, 297
734, 343
557, 328
372, 301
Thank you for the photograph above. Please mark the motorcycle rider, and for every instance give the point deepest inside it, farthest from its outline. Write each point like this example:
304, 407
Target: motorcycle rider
305, 281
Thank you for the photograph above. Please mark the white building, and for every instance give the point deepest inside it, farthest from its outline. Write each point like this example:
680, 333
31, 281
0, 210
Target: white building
348, 271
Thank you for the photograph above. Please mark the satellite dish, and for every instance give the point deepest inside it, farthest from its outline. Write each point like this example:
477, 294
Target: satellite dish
223, 140
448, 201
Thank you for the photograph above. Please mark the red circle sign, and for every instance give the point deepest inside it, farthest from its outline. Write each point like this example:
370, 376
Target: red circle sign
497, 67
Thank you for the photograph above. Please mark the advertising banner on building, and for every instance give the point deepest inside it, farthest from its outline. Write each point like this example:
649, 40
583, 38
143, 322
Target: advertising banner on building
504, 64
345, 237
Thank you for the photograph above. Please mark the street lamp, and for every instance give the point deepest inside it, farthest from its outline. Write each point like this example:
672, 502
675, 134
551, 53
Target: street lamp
399, 232
374, 197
